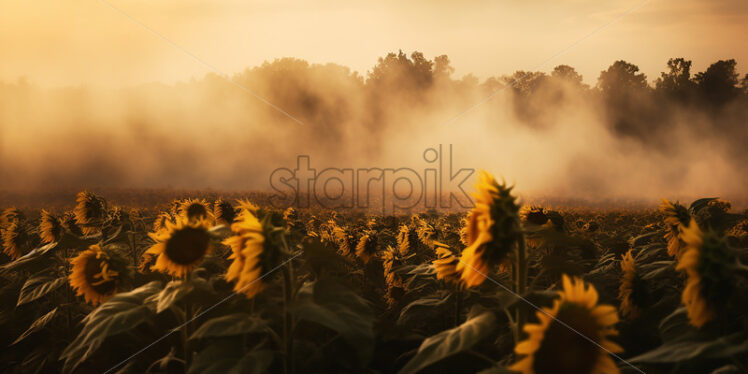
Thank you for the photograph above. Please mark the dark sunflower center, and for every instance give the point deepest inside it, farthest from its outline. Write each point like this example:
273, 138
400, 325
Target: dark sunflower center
197, 211
93, 209
226, 212
187, 245
562, 350
93, 268
537, 217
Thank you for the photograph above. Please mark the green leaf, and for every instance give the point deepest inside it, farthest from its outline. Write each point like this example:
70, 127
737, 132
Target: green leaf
121, 313
230, 325
173, 292
450, 342
36, 260
426, 302
688, 349
39, 286
37, 325
228, 357
675, 326
336, 307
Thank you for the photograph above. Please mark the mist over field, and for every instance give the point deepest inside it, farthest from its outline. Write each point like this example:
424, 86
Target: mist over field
678, 135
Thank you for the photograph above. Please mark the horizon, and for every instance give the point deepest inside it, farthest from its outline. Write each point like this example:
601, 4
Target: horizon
234, 36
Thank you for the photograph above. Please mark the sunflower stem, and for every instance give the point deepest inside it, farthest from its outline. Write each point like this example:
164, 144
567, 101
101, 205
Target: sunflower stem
288, 278
187, 322
458, 305
521, 284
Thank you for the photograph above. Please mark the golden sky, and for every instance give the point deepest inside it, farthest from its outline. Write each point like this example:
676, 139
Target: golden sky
73, 42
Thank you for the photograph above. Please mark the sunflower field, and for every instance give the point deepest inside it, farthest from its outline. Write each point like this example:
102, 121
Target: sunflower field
224, 286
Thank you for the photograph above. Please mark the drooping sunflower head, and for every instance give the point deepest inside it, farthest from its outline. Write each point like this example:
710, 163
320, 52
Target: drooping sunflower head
342, 239
180, 246
464, 229
534, 215
224, 212
395, 286
676, 219
10, 216
254, 254
493, 230
406, 239
195, 209
535, 219
50, 228
709, 283
426, 233
578, 344
15, 240
632, 292
69, 224
90, 212
119, 216
446, 265
96, 274
367, 246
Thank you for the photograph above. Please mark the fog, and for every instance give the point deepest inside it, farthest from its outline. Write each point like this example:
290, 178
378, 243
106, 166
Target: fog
556, 138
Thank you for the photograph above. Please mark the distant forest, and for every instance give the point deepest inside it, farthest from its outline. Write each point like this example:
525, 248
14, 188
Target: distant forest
345, 113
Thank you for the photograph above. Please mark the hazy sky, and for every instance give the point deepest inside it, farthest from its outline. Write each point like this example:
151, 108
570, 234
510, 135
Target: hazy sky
53, 42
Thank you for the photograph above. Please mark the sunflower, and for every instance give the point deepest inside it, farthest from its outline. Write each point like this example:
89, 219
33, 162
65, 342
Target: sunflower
342, 240
10, 216
676, 219
224, 212
709, 282
290, 216
367, 246
395, 285
195, 209
426, 233
446, 265
93, 275
15, 240
50, 228
119, 216
464, 229
631, 291
180, 246
68, 223
161, 220
253, 254
147, 260
90, 212
557, 347
406, 239
535, 219
534, 215
493, 230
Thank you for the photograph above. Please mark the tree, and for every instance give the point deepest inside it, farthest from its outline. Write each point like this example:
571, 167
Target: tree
626, 95
400, 72
566, 73
442, 67
676, 83
719, 83
621, 78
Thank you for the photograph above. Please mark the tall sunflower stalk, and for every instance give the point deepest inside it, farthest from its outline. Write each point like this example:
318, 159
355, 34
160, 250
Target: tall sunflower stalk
289, 292
520, 283
494, 238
